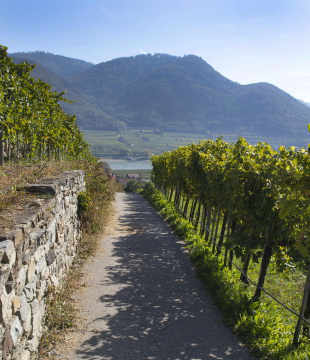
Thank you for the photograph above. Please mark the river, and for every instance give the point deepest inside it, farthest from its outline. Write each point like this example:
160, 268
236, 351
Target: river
118, 164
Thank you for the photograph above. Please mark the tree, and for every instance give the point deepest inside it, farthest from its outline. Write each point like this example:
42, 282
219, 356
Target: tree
106, 167
146, 153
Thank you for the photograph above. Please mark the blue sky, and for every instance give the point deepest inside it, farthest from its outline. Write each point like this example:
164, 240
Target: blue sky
245, 40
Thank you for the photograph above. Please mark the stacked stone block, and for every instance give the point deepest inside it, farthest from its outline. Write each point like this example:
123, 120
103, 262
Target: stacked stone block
37, 247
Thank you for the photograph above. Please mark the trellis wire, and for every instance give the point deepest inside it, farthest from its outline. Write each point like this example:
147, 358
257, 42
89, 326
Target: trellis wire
237, 267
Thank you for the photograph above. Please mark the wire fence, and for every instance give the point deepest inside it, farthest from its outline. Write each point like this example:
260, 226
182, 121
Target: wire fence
236, 266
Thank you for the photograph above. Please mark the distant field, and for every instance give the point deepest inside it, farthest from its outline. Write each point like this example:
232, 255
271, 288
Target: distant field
134, 142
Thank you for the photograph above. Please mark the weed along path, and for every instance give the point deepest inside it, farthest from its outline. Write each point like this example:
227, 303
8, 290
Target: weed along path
142, 300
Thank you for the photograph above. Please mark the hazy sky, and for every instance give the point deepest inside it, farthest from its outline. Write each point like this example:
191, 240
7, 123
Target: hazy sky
245, 40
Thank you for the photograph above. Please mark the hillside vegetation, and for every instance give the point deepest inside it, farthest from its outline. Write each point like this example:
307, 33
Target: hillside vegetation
59, 65
170, 93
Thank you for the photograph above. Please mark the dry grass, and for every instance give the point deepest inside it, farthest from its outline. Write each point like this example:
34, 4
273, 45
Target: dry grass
61, 312
100, 189
15, 177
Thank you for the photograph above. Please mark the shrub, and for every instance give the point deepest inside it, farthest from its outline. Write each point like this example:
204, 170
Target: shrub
134, 186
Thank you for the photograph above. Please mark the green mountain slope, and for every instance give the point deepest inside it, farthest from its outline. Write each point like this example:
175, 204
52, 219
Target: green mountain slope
180, 95
187, 94
270, 111
305, 103
89, 116
170, 93
100, 80
59, 65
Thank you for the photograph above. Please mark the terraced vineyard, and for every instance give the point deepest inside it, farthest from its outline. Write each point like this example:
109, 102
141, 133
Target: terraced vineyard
109, 144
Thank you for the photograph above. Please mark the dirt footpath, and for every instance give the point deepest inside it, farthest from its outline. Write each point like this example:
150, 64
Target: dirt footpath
142, 300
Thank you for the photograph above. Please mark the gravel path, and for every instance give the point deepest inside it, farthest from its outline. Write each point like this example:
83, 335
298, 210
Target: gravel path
143, 300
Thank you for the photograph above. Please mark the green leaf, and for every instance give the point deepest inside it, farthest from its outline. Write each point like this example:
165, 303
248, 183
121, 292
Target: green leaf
297, 176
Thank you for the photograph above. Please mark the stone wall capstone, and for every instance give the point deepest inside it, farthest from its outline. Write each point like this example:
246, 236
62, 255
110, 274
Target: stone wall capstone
38, 243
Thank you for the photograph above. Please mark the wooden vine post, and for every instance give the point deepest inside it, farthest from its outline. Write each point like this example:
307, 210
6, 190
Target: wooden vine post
217, 226
220, 242
1, 148
17, 147
263, 269
302, 310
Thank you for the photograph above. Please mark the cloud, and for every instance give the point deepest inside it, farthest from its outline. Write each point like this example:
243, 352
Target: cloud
142, 52
109, 13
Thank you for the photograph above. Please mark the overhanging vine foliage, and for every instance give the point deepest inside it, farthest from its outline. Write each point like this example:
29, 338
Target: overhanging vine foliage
31, 118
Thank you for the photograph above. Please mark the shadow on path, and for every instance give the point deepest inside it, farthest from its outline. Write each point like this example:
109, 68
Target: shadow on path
160, 310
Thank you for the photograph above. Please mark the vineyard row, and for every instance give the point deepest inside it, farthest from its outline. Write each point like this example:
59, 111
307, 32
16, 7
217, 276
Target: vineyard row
31, 118
254, 200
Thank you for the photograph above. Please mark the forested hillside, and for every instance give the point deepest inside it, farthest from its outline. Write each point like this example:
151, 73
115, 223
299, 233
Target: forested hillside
84, 106
189, 95
172, 93
59, 65
305, 103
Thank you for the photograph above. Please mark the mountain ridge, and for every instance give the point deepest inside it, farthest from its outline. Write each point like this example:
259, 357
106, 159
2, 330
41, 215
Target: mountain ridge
58, 64
172, 93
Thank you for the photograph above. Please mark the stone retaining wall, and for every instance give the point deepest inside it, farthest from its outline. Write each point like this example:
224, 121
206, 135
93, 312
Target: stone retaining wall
38, 243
